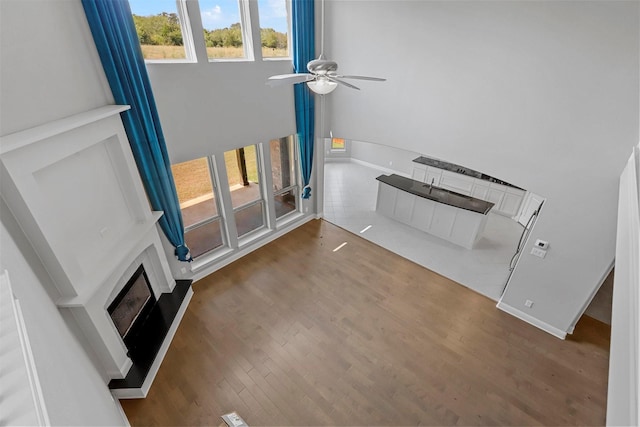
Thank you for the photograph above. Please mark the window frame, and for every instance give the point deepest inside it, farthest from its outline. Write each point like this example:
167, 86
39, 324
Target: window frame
219, 212
295, 187
211, 165
289, 56
187, 37
246, 33
190, 17
260, 200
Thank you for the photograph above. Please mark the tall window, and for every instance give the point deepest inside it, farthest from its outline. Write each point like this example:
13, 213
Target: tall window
159, 29
274, 28
243, 175
198, 203
223, 29
283, 170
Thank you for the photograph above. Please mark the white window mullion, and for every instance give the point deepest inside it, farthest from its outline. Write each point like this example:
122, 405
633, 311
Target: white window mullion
267, 179
194, 45
225, 207
248, 9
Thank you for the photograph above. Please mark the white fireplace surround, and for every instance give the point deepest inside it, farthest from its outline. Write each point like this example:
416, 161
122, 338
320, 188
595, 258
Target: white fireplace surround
74, 188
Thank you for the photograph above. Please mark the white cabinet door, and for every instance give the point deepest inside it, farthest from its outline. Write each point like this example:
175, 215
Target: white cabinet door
422, 213
433, 175
403, 210
444, 216
480, 191
419, 173
510, 204
495, 196
455, 182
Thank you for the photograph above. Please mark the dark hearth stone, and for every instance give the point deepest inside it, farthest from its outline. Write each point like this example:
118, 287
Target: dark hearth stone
151, 335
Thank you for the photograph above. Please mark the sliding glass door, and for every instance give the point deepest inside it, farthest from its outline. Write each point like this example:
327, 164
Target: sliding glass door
199, 205
245, 185
219, 214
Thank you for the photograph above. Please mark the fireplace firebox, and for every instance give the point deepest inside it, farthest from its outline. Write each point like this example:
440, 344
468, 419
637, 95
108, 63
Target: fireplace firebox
131, 307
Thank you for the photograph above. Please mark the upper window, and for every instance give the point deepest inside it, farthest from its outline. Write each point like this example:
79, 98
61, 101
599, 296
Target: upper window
274, 28
159, 29
223, 31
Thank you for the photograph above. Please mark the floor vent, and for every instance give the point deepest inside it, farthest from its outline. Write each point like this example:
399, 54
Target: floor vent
234, 420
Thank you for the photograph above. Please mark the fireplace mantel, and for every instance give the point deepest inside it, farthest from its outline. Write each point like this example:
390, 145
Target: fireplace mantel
74, 188
134, 237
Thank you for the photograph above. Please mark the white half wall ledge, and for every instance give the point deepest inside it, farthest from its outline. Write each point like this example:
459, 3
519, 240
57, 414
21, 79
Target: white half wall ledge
558, 333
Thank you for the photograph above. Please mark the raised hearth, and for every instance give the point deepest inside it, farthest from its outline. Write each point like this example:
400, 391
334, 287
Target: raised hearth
151, 337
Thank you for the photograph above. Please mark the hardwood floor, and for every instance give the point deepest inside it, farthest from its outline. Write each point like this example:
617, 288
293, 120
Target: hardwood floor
296, 334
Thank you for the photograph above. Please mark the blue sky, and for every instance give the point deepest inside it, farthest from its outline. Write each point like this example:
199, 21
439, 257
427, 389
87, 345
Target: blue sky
219, 13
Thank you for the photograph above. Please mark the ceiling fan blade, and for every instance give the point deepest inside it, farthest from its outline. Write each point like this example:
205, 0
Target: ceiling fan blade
375, 79
333, 79
284, 79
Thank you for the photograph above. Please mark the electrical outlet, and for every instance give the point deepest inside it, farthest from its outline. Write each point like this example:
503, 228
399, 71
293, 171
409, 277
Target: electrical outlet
541, 253
528, 303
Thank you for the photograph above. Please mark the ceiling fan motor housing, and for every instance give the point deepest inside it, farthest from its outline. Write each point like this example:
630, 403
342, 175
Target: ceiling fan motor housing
322, 66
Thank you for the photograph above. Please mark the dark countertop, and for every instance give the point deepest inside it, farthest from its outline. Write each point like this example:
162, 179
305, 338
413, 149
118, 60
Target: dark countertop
452, 167
437, 194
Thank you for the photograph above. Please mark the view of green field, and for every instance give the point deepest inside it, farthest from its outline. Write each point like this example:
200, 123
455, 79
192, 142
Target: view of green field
177, 52
161, 38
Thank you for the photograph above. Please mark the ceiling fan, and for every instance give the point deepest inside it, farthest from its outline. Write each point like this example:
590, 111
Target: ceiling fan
323, 76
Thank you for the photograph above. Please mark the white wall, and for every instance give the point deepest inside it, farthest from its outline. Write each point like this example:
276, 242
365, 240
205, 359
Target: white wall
209, 108
50, 69
50, 66
73, 390
542, 94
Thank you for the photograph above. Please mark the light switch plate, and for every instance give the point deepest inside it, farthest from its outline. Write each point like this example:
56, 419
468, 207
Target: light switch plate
538, 252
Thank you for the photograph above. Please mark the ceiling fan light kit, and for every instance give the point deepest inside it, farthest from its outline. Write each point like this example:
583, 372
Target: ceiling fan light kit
322, 86
322, 77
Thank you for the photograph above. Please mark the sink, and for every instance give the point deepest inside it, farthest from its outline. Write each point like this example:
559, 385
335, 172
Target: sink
435, 191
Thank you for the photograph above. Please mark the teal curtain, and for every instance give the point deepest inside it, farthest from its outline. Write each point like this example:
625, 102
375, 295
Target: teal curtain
303, 23
115, 37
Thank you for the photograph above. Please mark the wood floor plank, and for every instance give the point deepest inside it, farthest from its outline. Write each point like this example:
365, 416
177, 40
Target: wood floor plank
296, 334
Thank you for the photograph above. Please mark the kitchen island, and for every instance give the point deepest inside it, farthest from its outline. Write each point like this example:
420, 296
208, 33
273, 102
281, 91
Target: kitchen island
455, 217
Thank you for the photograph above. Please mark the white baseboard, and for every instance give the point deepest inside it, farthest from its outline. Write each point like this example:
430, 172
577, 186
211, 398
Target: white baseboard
137, 393
591, 297
125, 420
532, 320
